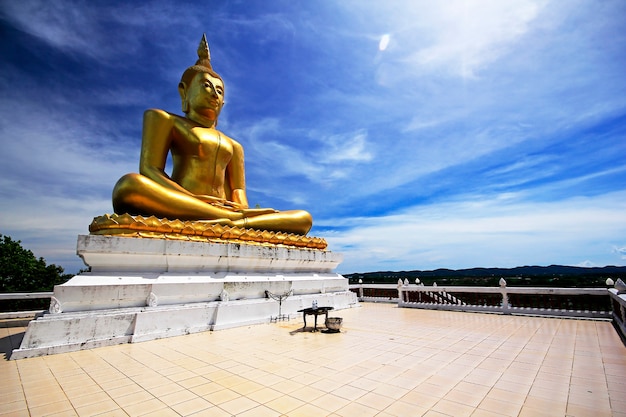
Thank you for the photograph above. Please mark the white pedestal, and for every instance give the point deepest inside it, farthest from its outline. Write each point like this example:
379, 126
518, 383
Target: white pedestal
144, 289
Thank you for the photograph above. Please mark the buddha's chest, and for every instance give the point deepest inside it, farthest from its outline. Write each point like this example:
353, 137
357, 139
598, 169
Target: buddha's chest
203, 144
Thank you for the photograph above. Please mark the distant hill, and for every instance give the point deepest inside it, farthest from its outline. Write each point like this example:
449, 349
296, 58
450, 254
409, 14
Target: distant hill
553, 275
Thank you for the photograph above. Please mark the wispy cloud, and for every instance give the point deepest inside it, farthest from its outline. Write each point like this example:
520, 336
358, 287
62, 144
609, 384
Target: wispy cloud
273, 26
621, 251
100, 32
457, 38
345, 148
469, 36
316, 155
485, 232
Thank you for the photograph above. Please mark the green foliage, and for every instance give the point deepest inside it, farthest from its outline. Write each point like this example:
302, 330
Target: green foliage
21, 271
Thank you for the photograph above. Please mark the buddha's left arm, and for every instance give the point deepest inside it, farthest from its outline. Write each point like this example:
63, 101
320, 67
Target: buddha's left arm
236, 176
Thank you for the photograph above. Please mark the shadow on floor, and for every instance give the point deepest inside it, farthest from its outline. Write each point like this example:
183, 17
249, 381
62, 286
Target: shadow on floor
310, 330
13, 338
8, 343
300, 330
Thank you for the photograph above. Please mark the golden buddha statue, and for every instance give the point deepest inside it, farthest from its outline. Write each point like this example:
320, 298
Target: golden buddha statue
207, 182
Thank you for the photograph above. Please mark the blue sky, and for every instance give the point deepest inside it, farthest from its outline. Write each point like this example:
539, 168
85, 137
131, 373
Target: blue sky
419, 134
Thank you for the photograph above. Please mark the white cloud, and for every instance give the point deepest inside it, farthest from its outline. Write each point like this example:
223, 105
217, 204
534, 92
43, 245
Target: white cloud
318, 156
49, 224
485, 232
62, 25
47, 145
352, 147
272, 26
98, 31
621, 251
457, 37
468, 35
384, 42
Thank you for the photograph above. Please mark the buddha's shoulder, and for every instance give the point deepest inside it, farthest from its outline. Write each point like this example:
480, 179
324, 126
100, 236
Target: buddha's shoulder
161, 115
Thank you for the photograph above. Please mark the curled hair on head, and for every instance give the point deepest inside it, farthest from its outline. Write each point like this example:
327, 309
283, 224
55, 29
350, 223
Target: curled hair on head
197, 69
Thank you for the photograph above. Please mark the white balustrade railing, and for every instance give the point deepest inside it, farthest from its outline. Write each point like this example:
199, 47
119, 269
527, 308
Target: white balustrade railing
618, 302
564, 302
382, 293
22, 296
497, 300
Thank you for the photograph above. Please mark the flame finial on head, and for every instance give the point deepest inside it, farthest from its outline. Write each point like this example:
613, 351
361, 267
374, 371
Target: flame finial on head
204, 56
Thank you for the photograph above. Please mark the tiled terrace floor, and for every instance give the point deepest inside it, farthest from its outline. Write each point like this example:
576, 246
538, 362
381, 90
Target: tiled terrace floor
386, 362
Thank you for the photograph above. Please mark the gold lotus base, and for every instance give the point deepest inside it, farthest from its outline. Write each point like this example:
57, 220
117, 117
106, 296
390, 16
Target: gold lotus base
197, 231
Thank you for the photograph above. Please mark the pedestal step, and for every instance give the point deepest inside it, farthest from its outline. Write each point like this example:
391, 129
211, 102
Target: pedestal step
67, 332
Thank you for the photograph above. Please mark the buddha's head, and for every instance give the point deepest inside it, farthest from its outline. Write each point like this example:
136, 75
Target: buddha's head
201, 80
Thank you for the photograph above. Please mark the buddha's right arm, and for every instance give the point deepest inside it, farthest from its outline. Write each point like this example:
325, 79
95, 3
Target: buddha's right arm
156, 142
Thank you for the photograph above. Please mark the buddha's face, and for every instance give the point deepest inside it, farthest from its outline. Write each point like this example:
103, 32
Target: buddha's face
204, 95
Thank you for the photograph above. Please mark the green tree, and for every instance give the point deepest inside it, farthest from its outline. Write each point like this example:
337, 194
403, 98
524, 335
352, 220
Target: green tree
21, 271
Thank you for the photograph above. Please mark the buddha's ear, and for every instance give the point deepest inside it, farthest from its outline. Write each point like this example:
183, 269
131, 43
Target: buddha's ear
182, 90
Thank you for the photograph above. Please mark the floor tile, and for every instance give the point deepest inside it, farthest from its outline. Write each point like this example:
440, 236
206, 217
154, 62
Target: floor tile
191, 406
284, 404
238, 405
